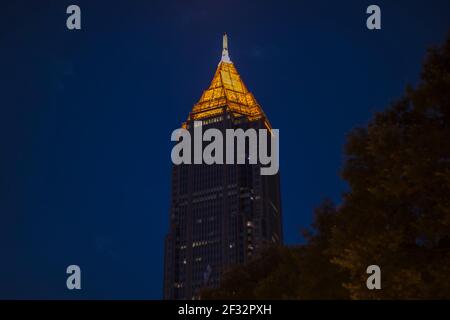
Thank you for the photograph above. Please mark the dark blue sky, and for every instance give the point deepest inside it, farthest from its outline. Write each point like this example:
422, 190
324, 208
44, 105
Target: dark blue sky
86, 117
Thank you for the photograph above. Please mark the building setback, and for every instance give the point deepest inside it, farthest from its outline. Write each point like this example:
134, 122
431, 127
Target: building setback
220, 214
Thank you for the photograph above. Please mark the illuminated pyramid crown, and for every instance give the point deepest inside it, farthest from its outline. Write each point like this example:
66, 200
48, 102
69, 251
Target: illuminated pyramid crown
226, 92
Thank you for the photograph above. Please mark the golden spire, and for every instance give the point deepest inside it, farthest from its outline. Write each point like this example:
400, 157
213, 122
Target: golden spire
227, 91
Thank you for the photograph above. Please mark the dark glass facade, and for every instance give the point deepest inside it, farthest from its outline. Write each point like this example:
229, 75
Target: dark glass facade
220, 216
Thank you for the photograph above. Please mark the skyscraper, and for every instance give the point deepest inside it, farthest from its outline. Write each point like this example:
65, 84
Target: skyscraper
221, 214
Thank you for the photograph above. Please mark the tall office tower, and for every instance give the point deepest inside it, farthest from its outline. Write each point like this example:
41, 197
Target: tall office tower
221, 214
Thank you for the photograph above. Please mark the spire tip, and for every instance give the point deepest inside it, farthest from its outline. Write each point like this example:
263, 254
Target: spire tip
225, 56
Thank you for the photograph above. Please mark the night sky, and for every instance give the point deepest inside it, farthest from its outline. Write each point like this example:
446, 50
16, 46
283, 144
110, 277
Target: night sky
86, 118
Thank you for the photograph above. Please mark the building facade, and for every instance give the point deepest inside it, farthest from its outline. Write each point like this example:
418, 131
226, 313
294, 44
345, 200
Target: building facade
221, 214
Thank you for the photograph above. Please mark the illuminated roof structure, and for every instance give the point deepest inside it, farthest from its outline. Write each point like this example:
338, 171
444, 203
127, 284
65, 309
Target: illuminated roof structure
227, 91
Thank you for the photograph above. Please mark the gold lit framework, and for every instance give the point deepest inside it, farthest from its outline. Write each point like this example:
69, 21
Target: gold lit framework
226, 92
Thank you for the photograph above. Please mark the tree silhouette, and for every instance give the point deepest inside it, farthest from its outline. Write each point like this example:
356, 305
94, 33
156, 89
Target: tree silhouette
397, 214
